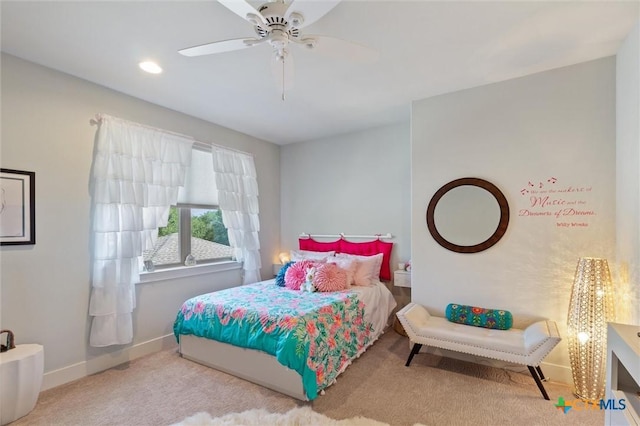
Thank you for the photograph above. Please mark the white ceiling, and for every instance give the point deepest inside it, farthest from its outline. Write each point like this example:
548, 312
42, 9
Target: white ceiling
426, 48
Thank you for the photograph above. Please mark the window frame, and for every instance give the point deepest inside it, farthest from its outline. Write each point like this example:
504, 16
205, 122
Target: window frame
164, 274
169, 271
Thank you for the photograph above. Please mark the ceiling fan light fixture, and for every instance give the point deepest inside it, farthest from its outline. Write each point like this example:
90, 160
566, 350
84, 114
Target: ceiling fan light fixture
150, 67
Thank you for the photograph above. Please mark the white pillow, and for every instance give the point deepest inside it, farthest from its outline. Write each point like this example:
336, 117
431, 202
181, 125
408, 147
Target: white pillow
377, 258
297, 255
347, 265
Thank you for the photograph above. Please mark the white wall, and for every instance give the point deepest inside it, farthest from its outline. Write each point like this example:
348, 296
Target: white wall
45, 287
557, 125
355, 184
628, 175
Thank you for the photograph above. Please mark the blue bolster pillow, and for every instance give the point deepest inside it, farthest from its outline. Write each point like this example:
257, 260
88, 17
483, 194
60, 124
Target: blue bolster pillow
480, 317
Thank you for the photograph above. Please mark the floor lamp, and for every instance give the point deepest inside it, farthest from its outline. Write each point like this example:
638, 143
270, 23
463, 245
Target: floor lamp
590, 308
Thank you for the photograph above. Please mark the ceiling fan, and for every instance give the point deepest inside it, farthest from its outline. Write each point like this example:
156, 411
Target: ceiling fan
278, 25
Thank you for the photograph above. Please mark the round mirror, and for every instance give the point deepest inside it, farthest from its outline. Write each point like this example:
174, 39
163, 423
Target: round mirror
468, 215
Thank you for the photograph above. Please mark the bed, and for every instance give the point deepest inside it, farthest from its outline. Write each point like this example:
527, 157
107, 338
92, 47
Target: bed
294, 342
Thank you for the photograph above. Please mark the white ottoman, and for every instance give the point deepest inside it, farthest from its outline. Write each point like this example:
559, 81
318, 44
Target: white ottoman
21, 372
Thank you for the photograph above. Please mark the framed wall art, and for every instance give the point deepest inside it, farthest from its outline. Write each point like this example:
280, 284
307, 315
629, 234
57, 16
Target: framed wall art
17, 207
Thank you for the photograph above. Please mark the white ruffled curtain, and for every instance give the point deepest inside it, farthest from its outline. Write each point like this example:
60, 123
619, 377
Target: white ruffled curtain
235, 174
136, 174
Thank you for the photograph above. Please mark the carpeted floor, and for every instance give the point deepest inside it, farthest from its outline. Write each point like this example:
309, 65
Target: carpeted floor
163, 389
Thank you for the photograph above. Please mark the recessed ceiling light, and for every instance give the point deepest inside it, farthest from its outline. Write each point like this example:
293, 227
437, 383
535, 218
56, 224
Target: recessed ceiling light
150, 67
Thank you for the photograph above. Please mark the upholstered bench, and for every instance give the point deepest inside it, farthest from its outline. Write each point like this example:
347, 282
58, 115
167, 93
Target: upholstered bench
527, 346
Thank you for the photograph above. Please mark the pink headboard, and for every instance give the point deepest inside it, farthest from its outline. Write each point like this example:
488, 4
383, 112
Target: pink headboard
368, 248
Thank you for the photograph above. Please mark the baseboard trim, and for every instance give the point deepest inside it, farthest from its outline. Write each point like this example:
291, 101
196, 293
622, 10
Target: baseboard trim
557, 373
552, 372
103, 362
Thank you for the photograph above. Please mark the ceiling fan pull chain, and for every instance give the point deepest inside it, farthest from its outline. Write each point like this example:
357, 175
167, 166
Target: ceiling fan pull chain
283, 59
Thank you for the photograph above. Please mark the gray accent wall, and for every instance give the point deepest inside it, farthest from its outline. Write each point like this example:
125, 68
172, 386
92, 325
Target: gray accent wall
357, 183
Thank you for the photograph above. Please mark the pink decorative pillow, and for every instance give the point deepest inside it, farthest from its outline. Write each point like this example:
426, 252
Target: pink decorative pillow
367, 270
329, 277
370, 249
347, 265
297, 274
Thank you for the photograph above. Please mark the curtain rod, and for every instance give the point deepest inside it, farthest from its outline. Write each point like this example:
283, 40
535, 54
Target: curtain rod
203, 146
98, 119
341, 235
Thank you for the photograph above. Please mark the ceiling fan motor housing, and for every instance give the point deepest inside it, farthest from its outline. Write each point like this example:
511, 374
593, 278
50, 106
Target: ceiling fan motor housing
274, 15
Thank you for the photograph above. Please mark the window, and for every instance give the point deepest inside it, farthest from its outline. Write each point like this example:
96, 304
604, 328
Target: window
207, 240
197, 212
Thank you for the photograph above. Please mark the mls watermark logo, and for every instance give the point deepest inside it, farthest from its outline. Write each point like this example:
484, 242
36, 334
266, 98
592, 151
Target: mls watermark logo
580, 405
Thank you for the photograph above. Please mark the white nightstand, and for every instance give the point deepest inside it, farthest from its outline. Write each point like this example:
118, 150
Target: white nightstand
402, 278
276, 268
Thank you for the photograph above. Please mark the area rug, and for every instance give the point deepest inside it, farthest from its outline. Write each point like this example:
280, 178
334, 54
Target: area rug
294, 417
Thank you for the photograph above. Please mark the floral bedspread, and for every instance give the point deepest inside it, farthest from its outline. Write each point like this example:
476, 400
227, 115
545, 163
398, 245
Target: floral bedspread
315, 334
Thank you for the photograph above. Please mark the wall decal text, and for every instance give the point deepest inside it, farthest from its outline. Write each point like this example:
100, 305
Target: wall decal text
567, 206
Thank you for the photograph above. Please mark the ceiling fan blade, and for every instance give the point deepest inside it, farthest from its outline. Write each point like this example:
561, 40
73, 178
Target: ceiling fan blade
219, 47
243, 10
283, 72
312, 10
340, 49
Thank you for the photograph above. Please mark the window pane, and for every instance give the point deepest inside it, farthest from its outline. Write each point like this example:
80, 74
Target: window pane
209, 239
167, 248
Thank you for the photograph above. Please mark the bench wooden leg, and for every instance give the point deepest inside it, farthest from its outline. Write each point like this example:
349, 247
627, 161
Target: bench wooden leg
539, 370
534, 373
416, 348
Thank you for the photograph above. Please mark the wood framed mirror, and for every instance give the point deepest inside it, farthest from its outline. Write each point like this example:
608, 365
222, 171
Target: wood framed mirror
468, 215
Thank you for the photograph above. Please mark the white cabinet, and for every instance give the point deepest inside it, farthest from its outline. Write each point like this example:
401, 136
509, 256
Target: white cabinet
402, 278
623, 374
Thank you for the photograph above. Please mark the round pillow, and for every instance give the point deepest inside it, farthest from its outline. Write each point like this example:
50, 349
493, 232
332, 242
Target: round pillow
330, 277
296, 274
